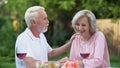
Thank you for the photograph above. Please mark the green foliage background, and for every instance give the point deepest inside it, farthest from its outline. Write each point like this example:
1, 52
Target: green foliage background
60, 13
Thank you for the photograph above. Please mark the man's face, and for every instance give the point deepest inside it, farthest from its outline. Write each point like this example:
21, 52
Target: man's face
42, 21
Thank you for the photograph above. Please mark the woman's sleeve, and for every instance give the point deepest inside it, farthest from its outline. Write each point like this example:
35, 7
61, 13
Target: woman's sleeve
72, 56
99, 43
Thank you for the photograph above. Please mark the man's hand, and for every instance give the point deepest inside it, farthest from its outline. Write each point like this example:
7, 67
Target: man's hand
63, 60
30, 62
73, 36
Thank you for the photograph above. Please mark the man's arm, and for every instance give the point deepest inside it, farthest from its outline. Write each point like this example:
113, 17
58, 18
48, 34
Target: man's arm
58, 51
30, 62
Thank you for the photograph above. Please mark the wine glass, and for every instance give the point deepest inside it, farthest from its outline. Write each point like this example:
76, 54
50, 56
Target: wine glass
21, 56
85, 55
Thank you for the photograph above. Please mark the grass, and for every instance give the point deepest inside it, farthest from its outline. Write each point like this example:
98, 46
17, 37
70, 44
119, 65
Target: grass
6, 63
115, 61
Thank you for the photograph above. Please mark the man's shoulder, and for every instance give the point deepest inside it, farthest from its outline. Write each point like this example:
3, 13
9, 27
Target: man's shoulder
23, 36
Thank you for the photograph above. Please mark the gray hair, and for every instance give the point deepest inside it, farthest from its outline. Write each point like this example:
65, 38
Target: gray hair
31, 13
90, 15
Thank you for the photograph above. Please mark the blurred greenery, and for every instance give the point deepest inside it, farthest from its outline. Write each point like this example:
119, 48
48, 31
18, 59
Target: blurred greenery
60, 13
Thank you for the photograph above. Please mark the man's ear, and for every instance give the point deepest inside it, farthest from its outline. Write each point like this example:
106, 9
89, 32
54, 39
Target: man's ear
33, 22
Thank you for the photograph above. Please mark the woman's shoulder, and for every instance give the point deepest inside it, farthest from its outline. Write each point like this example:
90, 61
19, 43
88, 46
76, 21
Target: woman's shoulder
99, 33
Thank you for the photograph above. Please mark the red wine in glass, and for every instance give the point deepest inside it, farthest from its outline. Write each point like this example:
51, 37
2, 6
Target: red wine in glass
85, 55
21, 55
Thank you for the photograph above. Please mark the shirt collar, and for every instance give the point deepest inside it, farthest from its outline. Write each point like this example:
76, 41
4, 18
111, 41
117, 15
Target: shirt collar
29, 33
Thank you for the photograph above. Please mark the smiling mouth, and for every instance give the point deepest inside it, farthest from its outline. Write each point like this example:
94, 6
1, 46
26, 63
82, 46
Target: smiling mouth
82, 31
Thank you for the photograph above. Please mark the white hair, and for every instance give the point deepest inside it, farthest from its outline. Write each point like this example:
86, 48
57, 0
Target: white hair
91, 17
31, 13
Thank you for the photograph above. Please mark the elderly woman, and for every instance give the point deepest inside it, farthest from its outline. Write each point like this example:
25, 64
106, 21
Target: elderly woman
89, 46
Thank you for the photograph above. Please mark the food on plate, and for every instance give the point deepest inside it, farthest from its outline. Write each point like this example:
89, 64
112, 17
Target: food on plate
48, 65
71, 64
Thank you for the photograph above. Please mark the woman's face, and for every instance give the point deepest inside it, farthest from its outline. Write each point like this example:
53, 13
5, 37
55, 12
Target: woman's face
82, 26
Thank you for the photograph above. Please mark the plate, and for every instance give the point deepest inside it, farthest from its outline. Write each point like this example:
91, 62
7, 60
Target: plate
49, 64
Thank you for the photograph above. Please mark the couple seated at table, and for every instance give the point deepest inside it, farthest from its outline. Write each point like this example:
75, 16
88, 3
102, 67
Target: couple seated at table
88, 45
